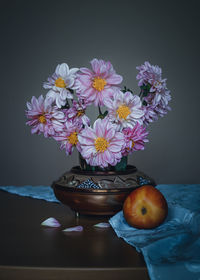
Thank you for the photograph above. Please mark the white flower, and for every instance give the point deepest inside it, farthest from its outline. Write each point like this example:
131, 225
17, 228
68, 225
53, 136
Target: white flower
125, 110
59, 84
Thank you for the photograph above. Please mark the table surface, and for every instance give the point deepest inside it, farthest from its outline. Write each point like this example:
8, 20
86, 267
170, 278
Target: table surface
30, 251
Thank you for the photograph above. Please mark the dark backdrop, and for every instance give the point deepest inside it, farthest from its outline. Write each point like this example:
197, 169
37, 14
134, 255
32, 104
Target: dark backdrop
37, 35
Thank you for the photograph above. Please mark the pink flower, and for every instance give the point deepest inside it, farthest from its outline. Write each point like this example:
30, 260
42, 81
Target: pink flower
69, 136
151, 74
78, 111
125, 110
93, 86
161, 110
135, 139
43, 117
161, 98
158, 96
101, 145
150, 114
152, 111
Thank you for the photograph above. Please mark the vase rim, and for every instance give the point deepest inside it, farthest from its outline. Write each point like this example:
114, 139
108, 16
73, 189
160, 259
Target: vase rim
78, 170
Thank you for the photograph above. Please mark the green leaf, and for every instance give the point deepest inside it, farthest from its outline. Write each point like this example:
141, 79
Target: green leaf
145, 93
102, 116
143, 87
105, 113
148, 86
66, 106
71, 90
124, 89
130, 90
121, 166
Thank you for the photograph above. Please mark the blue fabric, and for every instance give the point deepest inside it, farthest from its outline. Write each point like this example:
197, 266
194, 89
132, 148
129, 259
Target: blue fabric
172, 250
39, 192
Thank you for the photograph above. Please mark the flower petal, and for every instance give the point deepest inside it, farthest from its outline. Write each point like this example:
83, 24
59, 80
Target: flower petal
114, 79
95, 65
98, 128
51, 222
102, 225
70, 229
62, 70
86, 71
73, 71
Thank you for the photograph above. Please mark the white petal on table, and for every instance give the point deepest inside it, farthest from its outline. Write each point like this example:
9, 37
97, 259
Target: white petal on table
51, 222
102, 225
70, 229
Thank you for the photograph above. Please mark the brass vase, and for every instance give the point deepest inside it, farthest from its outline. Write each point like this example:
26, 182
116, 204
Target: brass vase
95, 191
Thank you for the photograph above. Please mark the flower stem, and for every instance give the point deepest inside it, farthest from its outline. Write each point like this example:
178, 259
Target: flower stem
100, 113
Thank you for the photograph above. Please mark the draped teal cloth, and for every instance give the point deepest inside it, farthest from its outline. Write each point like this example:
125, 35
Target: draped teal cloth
172, 250
39, 192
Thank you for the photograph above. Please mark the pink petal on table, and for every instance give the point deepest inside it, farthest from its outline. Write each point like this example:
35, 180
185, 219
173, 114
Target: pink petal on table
51, 222
77, 228
102, 225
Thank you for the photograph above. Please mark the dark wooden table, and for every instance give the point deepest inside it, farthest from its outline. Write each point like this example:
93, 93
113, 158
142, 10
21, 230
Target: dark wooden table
30, 251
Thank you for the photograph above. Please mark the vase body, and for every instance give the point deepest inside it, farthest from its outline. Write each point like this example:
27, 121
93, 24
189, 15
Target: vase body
112, 188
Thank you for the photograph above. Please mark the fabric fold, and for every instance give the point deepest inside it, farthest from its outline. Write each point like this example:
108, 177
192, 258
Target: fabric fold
174, 245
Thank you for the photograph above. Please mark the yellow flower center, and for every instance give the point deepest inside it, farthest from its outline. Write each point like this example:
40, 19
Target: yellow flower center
101, 144
80, 113
60, 83
123, 111
42, 119
73, 138
133, 144
99, 83
158, 83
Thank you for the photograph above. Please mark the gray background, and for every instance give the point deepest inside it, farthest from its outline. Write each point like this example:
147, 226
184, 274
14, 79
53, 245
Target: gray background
37, 35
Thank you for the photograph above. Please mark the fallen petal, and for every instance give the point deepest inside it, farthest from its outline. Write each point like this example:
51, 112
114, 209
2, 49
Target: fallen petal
102, 225
77, 228
51, 222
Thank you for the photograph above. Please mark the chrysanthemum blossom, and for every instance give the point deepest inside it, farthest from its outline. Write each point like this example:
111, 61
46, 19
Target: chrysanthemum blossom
150, 114
43, 117
60, 83
135, 138
152, 75
68, 137
77, 111
125, 109
93, 86
101, 145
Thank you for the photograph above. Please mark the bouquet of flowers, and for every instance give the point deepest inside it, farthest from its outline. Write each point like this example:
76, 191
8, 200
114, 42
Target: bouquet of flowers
122, 116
